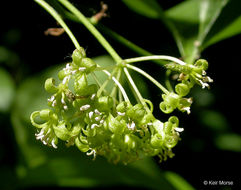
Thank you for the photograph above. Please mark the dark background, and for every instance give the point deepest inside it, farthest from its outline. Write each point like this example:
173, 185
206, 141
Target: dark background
197, 158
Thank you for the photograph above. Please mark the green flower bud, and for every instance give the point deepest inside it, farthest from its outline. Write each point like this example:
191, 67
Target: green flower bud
123, 107
184, 104
179, 68
156, 141
45, 114
136, 112
171, 99
129, 142
49, 86
182, 89
80, 84
116, 126
171, 141
62, 73
104, 103
89, 64
201, 63
82, 147
166, 108
172, 123
62, 132
78, 55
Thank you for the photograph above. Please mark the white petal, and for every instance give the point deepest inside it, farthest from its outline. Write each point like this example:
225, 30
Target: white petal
179, 129
93, 126
91, 114
97, 112
53, 145
97, 118
92, 96
120, 113
84, 107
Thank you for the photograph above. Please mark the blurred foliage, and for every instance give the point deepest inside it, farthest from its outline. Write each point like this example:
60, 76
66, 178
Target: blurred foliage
211, 136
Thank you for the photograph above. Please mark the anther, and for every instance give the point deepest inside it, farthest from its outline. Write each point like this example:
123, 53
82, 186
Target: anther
85, 107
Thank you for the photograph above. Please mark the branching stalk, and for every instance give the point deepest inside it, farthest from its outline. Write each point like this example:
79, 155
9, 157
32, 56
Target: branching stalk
155, 57
154, 81
92, 29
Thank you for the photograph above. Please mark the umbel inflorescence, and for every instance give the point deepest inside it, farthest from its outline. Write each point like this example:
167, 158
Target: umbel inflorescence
98, 124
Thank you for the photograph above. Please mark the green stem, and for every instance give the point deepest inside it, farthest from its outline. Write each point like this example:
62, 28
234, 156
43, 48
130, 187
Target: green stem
102, 87
133, 85
92, 29
123, 40
58, 18
119, 85
167, 81
113, 92
155, 57
148, 77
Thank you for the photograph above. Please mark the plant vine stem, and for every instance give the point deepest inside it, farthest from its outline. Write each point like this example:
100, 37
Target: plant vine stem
154, 81
58, 18
154, 57
102, 87
113, 92
119, 85
133, 85
92, 29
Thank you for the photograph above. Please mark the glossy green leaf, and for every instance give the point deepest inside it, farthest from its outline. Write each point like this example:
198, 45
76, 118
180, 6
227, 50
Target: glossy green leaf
147, 8
231, 142
7, 90
228, 24
68, 167
190, 8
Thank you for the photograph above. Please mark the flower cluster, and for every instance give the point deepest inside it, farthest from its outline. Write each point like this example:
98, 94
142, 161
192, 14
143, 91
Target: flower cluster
189, 75
99, 124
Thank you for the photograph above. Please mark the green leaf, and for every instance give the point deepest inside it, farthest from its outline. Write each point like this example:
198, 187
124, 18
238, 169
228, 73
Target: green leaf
7, 90
193, 31
228, 24
104, 61
214, 120
190, 8
41, 165
147, 8
177, 181
231, 142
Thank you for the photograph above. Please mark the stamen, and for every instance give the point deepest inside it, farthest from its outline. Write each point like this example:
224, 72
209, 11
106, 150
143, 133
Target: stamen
93, 126
54, 103
97, 118
53, 144
91, 114
92, 96
179, 129
187, 109
120, 113
97, 112
85, 107
82, 68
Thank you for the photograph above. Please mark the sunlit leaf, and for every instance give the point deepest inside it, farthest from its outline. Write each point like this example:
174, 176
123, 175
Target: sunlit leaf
148, 8
7, 90
231, 142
